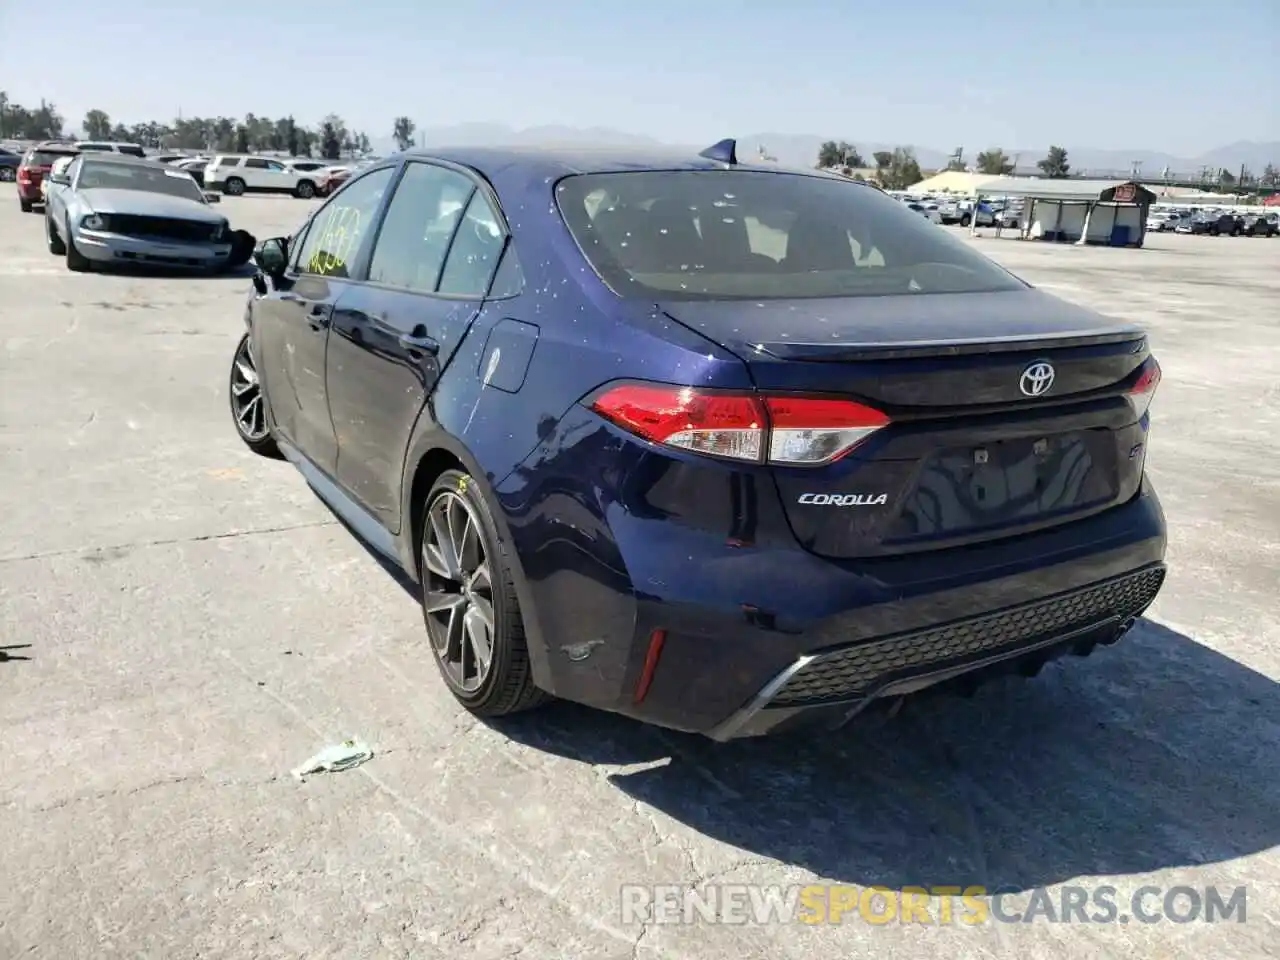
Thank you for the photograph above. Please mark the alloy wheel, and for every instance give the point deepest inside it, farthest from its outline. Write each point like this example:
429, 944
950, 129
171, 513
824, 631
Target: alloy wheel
246, 395
458, 598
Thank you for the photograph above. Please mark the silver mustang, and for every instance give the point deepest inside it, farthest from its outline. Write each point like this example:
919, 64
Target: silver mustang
114, 209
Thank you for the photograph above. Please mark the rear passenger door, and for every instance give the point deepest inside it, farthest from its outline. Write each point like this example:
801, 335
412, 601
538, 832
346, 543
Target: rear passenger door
431, 266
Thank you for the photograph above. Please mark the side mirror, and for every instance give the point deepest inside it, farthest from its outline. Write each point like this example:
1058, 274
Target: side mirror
272, 256
211, 197
60, 178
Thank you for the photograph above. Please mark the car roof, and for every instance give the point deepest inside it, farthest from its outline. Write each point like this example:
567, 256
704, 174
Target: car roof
555, 162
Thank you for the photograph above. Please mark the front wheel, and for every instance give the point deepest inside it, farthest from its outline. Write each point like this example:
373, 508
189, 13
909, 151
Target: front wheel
234, 187
965, 220
469, 603
305, 190
77, 262
56, 246
249, 404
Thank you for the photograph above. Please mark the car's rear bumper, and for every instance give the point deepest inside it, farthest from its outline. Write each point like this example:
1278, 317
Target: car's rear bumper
30, 192
118, 249
736, 641
834, 685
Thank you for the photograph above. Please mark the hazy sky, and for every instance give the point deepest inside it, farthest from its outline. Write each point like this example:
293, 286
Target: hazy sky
1179, 75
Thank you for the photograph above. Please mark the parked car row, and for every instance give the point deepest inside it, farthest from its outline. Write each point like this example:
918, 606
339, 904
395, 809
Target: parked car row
1213, 221
949, 211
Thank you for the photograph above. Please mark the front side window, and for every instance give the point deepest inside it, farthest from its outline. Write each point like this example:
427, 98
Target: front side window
337, 232
419, 226
736, 234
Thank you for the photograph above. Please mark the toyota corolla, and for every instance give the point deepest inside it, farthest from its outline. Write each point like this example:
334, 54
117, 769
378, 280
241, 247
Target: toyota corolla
725, 448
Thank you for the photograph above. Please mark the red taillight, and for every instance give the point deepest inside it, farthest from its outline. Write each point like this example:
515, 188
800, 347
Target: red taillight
1141, 393
24, 174
741, 426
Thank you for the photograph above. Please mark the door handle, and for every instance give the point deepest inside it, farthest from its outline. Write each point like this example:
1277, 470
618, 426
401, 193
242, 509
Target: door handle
419, 343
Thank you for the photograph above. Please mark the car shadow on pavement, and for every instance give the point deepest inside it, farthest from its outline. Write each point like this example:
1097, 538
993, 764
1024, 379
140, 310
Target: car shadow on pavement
6, 655
1155, 753
245, 272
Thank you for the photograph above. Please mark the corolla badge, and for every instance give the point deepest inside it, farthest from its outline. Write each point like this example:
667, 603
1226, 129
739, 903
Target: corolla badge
1036, 379
843, 499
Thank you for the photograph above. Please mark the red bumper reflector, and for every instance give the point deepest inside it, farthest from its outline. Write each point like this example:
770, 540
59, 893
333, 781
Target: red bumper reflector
656, 640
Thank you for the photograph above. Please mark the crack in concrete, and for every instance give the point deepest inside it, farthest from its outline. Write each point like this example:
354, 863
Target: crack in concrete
121, 548
134, 791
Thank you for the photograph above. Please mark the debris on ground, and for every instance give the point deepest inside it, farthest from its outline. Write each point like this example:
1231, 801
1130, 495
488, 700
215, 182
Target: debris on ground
336, 758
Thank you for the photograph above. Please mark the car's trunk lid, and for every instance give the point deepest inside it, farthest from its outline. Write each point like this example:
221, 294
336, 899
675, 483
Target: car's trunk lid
969, 455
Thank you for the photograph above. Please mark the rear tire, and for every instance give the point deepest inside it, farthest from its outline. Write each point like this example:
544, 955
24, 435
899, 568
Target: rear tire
965, 220
25, 205
56, 246
7, 175
468, 592
234, 187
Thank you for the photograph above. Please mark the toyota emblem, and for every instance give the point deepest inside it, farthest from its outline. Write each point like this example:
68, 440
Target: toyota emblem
1037, 379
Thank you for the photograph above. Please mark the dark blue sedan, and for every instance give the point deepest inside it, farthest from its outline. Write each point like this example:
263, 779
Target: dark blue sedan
722, 447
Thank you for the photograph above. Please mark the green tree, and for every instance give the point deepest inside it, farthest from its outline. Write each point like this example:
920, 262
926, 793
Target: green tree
1226, 178
332, 134
1270, 177
839, 153
402, 133
994, 162
1054, 165
897, 169
955, 162
97, 125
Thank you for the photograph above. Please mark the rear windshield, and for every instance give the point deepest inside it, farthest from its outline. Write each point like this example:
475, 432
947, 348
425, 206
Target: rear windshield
46, 158
737, 234
95, 174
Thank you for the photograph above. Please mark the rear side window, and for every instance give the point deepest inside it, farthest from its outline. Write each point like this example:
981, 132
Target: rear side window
256, 164
338, 231
132, 151
473, 255
736, 234
228, 161
419, 226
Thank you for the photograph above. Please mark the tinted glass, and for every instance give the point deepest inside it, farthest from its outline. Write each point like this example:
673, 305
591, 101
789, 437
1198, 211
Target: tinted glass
228, 161
133, 151
419, 225
338, 230
100, 174
256, 164
474, 254
735, 234
99, 147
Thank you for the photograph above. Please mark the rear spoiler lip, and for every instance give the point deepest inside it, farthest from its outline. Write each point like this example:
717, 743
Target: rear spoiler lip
912, 349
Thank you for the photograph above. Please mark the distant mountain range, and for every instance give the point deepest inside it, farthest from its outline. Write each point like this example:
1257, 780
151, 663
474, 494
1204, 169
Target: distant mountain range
802, 150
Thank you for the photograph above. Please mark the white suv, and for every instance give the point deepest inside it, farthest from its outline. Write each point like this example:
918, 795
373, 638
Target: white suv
235, 174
